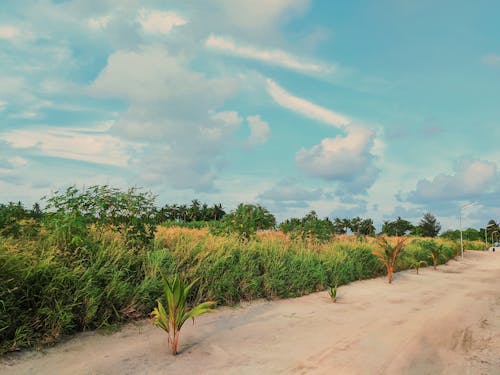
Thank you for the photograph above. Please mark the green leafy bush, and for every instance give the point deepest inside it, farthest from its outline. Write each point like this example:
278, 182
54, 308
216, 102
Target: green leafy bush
245, 221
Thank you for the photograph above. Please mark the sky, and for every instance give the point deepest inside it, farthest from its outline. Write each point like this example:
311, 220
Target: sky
349, 108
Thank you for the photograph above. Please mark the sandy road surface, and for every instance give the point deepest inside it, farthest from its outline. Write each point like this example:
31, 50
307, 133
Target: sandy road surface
439, 322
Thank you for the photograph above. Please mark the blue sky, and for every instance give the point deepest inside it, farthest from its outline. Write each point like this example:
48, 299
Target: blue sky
360, 108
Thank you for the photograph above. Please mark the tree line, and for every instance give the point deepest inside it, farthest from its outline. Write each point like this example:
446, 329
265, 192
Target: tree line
136, 211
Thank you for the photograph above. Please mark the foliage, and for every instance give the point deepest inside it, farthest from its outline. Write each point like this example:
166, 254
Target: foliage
188, 224
172, 318
245, 221
195, 212
17, 221
309, 227
434, 250
362, 227
415, 263
469, 234
129, 212
389, 254
332, 291
71, 269
429, 226
398, 227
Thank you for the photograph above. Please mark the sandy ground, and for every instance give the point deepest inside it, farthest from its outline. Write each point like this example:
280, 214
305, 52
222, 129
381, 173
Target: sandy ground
439, 322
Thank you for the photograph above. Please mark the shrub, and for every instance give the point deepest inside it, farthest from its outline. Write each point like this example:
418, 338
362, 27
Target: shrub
245, 221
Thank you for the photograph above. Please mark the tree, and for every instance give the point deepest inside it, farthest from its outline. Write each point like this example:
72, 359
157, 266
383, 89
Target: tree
246, 220
310, 227
340, 226
366, 228
130, 212
429, 226
389, 254
398, 227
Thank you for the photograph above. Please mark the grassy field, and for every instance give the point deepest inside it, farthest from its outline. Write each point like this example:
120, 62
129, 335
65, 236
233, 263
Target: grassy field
48, 290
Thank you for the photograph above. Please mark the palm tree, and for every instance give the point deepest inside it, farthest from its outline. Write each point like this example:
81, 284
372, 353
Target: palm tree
389, 254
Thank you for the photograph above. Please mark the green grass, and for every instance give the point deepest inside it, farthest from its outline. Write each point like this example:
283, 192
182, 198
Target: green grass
47, 291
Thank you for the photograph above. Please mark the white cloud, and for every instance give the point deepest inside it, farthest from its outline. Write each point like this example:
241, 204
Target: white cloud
491, 59
269, 56
175, 110
347, 159
98, 23
471, 178
289, 190
9, 32
340, 157
228, 118
304, 107
70, 144
259, 130
159, 22
259, 15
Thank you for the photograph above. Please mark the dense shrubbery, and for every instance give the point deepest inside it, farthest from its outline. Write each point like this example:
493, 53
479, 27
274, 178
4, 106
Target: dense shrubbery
94, 259
309, 227
47, 291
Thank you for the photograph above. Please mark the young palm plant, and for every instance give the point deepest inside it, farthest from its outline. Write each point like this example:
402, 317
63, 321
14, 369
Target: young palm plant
414, 263
389, 254
172, 317
332, 291
435, 252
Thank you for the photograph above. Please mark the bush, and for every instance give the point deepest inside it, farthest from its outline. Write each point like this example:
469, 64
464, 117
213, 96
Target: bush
245, 221
46, 291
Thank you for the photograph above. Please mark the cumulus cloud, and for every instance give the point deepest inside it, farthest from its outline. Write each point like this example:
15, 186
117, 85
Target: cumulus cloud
471, 178
305, 107
347, 159
289, 190
159, 22
268, 56
259, 15
72, 144
175, 110
98, 23
259, 130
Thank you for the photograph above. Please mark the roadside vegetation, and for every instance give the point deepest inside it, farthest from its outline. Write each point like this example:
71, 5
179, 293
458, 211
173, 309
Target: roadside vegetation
95, 258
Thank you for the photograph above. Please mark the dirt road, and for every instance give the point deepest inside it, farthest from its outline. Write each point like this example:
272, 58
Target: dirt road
439, 322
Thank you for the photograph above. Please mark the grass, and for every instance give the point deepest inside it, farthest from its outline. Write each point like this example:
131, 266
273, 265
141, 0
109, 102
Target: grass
47, 291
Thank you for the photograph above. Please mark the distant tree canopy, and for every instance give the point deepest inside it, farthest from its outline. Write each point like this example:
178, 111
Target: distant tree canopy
398, 227
245, 221
429, 226
13, 214
309, 227
362, 227
131, 212
469, 234
196, 211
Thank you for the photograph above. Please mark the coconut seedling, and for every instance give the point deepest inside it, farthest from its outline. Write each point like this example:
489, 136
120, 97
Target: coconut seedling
435, 252
416, 264
332, 291
389, 254
172, 317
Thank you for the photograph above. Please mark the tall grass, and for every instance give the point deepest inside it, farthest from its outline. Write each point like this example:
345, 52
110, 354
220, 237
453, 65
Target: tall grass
47, 291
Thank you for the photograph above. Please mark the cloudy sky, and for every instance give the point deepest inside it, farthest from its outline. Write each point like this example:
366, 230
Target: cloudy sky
376, 109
